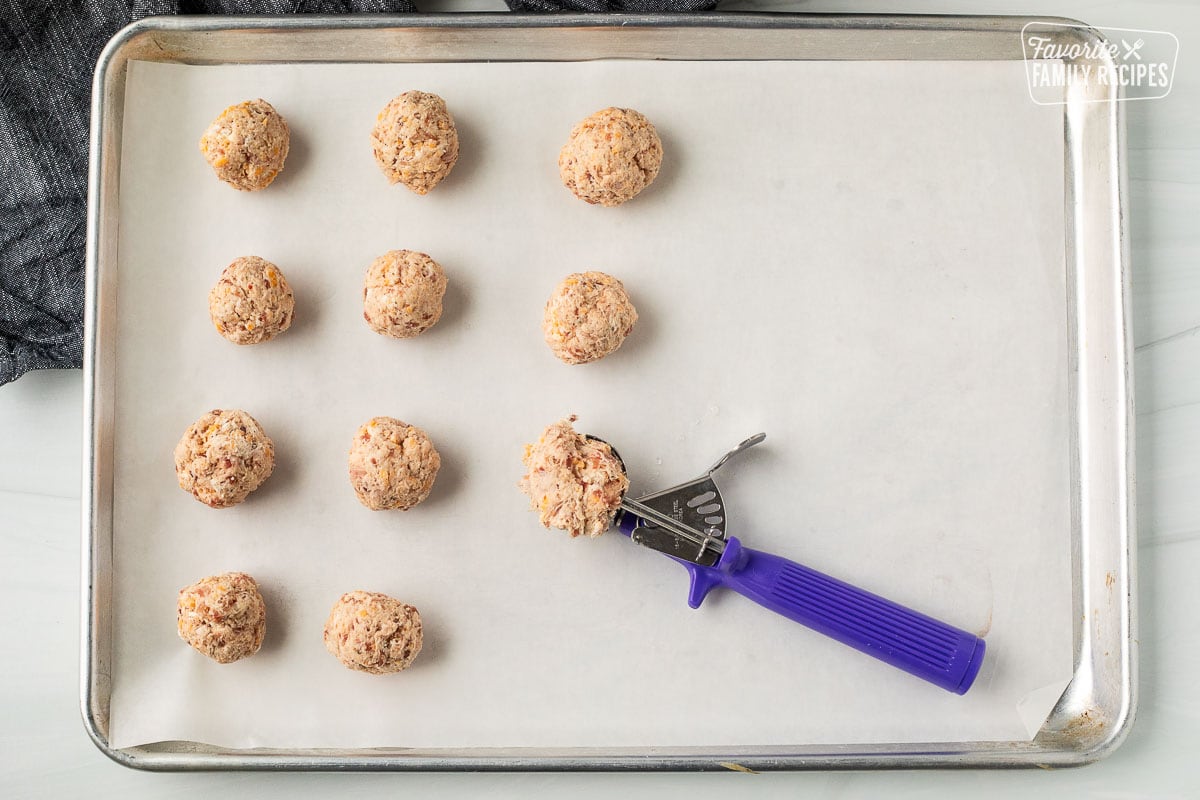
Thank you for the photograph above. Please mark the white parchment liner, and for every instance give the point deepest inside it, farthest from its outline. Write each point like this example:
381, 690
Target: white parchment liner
864, 260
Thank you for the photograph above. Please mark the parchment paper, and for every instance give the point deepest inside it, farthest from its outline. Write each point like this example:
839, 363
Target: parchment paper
864, 260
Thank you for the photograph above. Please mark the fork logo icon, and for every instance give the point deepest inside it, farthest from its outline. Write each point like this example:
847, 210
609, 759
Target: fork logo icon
1132, 49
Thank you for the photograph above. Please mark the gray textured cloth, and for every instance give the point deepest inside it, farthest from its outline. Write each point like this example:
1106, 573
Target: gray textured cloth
636, 6
47, 53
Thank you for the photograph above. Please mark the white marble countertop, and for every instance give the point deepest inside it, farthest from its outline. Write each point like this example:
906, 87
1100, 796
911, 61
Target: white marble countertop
44, 751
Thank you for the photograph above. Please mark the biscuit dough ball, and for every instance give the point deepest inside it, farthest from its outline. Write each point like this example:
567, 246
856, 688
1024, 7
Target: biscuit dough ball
223, 616
251, 302
414, 141
574, 483
610, 157
371, 632
392, 464
247, 144
587, 317
402, 294
223, 457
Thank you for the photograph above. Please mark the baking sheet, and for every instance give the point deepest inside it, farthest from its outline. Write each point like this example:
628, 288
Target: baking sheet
864, 260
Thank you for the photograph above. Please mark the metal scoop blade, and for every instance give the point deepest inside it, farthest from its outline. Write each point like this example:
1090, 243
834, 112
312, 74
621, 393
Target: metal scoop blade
696, 505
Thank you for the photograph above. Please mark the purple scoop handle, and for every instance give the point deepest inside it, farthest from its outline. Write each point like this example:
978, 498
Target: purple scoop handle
920, 645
